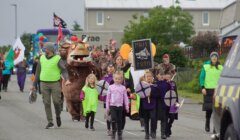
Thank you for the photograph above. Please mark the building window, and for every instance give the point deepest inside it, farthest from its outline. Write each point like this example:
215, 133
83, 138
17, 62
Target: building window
205, 18
100, 18
145, 14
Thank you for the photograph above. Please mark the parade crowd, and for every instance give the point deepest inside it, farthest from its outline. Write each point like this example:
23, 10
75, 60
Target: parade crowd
160, 104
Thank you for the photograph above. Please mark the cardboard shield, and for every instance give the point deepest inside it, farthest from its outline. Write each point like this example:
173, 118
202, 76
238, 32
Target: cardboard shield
143, 89
170, 98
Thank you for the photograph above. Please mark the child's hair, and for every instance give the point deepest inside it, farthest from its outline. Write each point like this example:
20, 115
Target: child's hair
148, 72
118, 73
142, 78
89, 76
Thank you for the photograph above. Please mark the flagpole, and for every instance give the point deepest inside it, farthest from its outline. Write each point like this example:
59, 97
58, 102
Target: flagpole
15, 7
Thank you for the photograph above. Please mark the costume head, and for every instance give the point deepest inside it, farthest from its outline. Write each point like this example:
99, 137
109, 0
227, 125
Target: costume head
78, 53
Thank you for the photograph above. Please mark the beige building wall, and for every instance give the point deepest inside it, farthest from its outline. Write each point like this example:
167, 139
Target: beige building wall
114, 20
228, 15
214, 20
100, 38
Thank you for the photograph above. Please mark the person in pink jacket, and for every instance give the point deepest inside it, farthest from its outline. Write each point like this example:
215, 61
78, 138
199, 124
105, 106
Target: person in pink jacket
116, 101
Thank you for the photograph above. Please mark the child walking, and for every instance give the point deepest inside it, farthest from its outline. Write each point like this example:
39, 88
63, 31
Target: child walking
162, 111
90, 101
148, 108
109, 79
116, 101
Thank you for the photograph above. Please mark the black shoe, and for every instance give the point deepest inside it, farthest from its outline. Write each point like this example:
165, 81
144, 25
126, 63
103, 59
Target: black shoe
147, 137
207, 126
163, 137
86, 124
0, 97
113, 135
49, 125
59, 122
92, 128
153, 135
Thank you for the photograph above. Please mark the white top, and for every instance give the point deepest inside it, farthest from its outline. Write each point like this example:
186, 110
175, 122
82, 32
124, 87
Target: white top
136, 75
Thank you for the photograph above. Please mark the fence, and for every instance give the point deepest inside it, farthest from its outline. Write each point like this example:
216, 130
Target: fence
187, 79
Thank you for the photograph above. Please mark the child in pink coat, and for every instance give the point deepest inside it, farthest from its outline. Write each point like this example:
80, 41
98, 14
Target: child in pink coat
116, 101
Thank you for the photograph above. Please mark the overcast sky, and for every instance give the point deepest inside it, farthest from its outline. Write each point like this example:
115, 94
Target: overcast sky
36, 14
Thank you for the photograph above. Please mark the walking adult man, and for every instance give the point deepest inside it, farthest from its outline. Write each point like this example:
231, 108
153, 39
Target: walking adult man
49, 72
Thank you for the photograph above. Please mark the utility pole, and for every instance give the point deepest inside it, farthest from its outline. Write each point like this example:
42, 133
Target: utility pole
15, 7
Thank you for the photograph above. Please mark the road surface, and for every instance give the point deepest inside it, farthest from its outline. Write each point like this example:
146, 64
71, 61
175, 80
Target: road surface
20, 120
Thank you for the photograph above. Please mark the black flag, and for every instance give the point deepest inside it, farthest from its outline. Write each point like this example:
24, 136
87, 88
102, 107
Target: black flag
58, 21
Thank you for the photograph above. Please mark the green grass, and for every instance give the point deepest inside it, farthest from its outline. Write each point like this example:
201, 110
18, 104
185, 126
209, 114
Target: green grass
196, 97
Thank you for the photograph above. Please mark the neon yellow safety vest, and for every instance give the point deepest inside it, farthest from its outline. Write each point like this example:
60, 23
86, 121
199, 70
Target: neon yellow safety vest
212, 75
50, 72
127, 74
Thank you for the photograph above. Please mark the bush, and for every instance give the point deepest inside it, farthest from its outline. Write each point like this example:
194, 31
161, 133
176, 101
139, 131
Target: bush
204, 43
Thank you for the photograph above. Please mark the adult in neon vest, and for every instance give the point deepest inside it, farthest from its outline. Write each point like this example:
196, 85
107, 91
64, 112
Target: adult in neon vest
209, 76
49, 71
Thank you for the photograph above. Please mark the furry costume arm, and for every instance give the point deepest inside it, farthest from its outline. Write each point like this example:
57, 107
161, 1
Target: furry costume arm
62, 66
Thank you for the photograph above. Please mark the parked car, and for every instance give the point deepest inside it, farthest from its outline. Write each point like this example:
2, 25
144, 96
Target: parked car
226, 107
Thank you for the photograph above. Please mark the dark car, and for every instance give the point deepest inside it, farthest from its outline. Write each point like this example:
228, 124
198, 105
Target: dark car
226, 107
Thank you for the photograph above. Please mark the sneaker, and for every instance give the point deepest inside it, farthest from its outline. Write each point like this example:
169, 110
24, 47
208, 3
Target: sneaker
163, 137
50, 125
153, 135
147, 137
59, 122
109, 133
92, 128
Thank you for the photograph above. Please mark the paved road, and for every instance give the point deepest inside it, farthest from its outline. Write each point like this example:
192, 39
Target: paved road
20, 120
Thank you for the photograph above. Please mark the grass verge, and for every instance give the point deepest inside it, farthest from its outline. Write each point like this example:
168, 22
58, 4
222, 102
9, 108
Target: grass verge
196, 97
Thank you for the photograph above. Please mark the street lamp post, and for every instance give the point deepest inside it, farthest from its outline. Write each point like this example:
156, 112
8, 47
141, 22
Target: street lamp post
15, 7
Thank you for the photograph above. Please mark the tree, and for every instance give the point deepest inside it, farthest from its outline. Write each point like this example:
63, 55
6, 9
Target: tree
76, 26
26, 40
176, 55
204, 43
4, 49
163, 26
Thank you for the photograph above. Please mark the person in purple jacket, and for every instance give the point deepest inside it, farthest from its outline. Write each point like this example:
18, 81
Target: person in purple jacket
162, 86
116, 102
109, 79
148, 109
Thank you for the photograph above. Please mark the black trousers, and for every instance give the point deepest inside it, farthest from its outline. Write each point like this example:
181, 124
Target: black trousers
208, 114
5, 81
170, 120
91, 116
164, 120
116, 115
124, 114
150, 115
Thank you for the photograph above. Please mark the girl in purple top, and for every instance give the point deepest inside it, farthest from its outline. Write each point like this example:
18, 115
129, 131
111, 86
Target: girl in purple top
116, 101
109, 79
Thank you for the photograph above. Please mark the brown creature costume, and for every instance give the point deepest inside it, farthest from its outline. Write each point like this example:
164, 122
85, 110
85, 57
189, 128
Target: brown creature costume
79, 66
